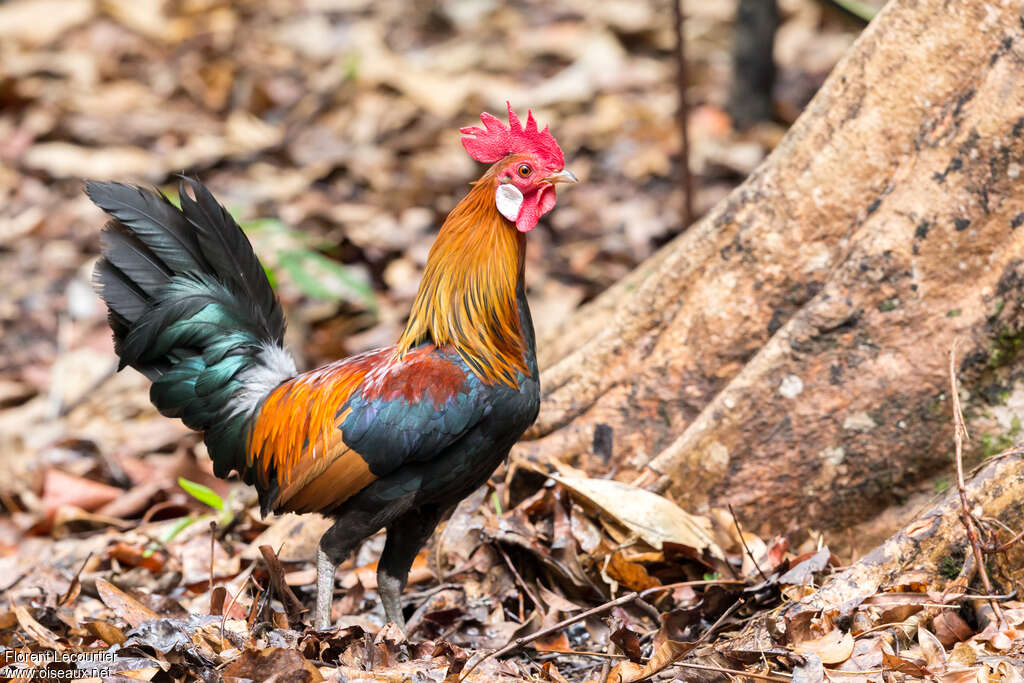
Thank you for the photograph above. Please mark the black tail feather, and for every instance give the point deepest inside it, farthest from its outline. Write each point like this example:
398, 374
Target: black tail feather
231, 255
154, 220
192, 309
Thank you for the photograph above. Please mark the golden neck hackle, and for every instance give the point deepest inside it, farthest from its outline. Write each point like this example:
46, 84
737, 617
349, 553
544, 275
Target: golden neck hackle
467, 298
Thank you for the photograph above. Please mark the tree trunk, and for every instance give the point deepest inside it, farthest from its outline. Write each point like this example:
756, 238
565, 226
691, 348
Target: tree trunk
753, 63
787, 354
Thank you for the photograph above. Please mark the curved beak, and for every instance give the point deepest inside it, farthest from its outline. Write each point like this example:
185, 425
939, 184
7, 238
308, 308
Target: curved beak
563, 176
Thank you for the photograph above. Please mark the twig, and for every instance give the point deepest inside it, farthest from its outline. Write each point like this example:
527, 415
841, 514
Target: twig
718, 622
739, 532
585, 653
781, 677
213, 546
683, 113
1006, 546
519, 579
993, 547
959, 435
97, 384
621, 600
526, 640
291, 603
681, 584
234, 598
606, 665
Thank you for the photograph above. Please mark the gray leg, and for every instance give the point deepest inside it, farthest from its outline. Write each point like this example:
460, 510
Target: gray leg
406, 535
360, 518
335, 546
325, 569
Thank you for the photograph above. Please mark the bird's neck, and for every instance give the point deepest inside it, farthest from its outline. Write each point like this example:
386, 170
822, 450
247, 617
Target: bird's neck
472, 296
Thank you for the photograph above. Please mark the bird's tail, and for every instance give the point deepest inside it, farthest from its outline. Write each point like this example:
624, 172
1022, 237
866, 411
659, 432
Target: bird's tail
192, 309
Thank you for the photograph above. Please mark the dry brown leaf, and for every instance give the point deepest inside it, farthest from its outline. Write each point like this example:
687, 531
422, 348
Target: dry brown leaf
615, 569
124, 606
275, 663
834, 647
106, 632
654, 518
42, 635
933, 650
293, 537
903, 664
557, 602
950, 628
61, 488
669, 652
66, 160
23, 21
552, 673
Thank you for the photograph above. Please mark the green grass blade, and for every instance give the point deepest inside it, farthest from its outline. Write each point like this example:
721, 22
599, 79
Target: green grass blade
203, 494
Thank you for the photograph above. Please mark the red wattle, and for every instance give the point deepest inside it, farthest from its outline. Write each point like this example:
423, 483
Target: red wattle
534, 206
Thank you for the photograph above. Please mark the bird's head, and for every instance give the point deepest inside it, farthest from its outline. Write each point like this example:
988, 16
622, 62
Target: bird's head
528, 163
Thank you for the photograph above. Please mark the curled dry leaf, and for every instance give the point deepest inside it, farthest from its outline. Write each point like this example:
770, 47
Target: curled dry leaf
106, 632
37, 631
272, 663
833, 647
669, 652
654, 518
950, 628
628, 641
933, 650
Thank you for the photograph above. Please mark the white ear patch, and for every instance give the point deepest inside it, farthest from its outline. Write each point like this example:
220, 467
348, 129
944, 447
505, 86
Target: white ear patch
508, 199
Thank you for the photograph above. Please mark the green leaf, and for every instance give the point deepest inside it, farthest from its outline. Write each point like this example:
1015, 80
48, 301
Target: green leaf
202, 493
312, 272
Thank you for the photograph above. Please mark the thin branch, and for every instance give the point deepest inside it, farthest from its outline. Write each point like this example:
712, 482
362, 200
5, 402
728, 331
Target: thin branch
1006, 546
621, 600
718, 622
519, 579
680, 584
739, 532
234, 598
683, 113
526, 640
606, 665
959, 436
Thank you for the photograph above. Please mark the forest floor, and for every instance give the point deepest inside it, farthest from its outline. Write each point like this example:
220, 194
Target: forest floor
331, 131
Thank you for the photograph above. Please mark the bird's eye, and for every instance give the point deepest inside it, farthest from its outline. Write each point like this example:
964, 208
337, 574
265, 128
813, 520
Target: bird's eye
524, 170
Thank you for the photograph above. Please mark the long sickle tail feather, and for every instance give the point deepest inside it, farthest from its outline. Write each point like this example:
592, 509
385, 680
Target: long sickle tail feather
192, 309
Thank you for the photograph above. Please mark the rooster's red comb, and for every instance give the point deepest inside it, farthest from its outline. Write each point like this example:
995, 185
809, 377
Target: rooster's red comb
494, 140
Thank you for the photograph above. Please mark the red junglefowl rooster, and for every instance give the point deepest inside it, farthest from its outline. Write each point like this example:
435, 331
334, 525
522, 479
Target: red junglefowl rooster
391, 438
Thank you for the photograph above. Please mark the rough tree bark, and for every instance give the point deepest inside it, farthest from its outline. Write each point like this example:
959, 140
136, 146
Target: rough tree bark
787, 353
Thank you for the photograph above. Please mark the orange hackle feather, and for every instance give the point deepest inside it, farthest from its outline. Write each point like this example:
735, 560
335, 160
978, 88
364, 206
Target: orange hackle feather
467, 298
466, 302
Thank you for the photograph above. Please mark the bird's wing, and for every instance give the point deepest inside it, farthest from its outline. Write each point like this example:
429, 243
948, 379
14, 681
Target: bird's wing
325, 435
